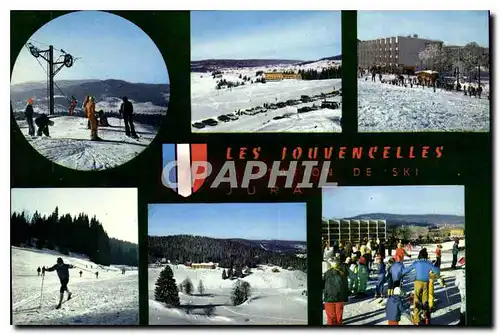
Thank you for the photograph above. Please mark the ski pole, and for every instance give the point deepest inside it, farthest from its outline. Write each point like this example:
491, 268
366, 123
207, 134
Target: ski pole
41, 293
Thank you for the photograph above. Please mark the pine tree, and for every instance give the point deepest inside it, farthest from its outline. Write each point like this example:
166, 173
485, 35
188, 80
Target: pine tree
241, 292
166, 288
230, 273
201, 288
187, 285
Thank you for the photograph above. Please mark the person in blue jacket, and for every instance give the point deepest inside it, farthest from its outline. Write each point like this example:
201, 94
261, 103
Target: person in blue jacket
396, 306
422, 267
379, 288
396, 272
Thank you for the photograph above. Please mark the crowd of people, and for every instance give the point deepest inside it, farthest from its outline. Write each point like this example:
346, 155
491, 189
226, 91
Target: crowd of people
95, 118
349, 267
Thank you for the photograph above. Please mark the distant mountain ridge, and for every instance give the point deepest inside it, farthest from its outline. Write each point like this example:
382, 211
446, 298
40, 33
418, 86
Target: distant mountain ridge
157, 94
414, 219
207, 64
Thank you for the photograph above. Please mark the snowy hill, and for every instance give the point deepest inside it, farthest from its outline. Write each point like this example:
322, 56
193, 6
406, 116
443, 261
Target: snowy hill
365, 311
241, 108
390, 108
69, 143
420, 219
112, 299
276, 298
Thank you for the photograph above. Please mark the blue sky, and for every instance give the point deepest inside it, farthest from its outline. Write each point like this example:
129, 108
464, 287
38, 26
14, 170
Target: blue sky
341, 202
115, 208
451, 27
110, 47
299, 35
259, 221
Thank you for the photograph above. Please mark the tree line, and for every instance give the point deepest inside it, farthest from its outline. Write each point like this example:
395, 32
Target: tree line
66, 233
226, 252
325, 73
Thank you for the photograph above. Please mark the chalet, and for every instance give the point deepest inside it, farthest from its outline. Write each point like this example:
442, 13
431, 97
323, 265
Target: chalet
203, 265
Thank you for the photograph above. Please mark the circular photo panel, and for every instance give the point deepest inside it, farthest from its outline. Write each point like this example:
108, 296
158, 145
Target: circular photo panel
89, 90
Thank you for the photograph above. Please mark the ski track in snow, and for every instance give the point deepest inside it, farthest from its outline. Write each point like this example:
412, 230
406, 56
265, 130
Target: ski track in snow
207, 102
276, 298
364, 311
70, 145
389, 108
112, 299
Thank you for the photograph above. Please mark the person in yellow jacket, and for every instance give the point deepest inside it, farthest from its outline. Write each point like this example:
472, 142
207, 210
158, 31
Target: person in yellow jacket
90, 113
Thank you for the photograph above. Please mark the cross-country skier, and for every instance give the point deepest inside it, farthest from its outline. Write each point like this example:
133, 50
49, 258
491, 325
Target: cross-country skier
460, 283
28, 114
62, 270
422, 266
81, 272
455, 251
97, 274
127, 109
335, 292
38, 271
43, 123
72, 105
396, 306
43, 270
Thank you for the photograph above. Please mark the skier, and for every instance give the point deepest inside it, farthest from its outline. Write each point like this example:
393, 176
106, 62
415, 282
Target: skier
388, 277
422, 266
97, 274
43, 123
28, 113
81, 272
438, 256
43, 271
335, 292
396, 306
63, 274
38, 271
72, 105
379, 289
460, 284
127, 109
91, 116
401, 253
455, 254
123, 271
396, 273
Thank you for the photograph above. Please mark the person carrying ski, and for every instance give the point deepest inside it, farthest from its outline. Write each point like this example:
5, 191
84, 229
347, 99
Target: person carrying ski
72, 105
438, 256
127, 109
396, 306
422, 266
43, 123
460, 284
401, 253
38, 271
335, 292
81, 272
379, 288
454, 252
91, 116
363, 276
28, 114
62, 270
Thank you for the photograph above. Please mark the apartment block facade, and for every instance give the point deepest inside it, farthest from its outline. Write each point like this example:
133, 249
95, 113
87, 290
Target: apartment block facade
397, 51
353, 230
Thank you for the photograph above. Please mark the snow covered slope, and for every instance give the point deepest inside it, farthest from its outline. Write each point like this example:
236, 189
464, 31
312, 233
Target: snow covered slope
390, 108
365, 311
112, 299
69, 144
276, 298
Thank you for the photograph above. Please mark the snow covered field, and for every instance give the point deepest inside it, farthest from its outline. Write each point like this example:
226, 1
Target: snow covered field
69, 144
390, 108
208, 102
276, 299
112, 299
364, 311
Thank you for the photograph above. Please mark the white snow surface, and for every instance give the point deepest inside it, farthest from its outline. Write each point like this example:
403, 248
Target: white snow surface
208, 102
365, 311
69, 143
390, 108
112, 299
276, 299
